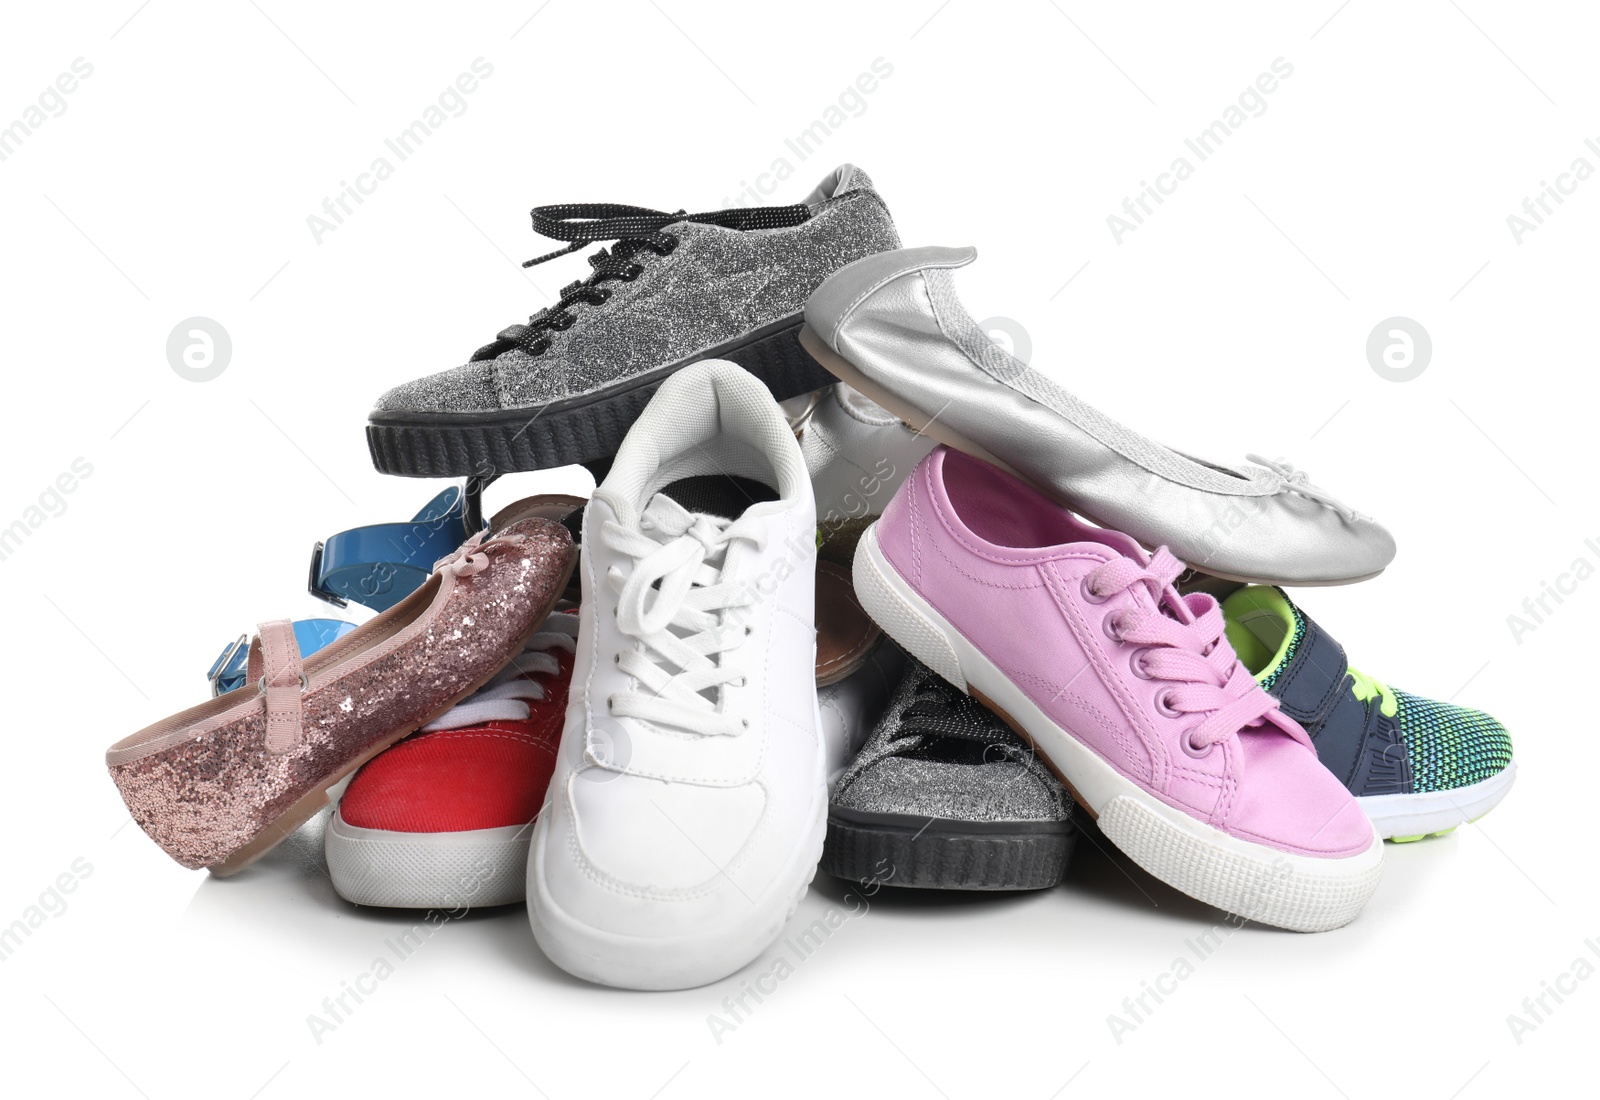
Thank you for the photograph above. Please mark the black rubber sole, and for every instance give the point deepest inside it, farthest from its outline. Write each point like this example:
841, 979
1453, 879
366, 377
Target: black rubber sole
578, 430
911, 851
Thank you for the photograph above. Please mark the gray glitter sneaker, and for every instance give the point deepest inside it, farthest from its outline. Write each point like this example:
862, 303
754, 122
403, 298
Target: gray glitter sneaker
945, 796
673, 289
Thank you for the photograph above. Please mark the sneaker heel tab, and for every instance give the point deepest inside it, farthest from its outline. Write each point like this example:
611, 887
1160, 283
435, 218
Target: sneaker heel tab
843, 180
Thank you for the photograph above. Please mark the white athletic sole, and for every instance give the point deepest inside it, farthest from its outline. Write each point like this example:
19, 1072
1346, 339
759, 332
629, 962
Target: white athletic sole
1414, 816
450, 871
676, 962
1255, 881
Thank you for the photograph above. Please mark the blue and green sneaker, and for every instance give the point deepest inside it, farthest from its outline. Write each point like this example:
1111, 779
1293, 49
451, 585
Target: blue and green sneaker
1418, 767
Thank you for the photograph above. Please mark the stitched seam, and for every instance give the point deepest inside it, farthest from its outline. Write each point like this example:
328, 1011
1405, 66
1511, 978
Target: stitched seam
1053, 691
973, 577
1196, 776
594, 874
914, 529
863, 644
796, 616
1118, 732
461, 735
1230, 783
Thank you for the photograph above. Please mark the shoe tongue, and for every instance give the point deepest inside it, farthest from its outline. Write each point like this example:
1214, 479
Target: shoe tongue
724, 495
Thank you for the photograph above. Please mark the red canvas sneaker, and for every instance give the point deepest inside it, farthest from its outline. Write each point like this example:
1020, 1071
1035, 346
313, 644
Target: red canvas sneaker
443, 819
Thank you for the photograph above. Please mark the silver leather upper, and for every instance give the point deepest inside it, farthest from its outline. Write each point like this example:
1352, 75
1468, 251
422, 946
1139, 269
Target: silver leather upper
896, 319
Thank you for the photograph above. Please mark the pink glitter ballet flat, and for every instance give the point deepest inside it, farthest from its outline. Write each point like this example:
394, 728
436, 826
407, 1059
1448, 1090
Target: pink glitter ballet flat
220, 784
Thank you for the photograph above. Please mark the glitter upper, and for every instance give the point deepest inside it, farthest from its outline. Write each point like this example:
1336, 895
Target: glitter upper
715, 286
204, 784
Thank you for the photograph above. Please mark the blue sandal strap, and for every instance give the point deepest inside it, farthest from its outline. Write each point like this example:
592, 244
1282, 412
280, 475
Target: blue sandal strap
376, 566
381, 564
227, 672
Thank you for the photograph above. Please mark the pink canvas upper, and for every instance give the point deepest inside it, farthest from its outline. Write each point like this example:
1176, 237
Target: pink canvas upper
1090, 627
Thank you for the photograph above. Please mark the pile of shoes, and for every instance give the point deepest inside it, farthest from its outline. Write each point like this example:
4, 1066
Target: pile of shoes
856, 590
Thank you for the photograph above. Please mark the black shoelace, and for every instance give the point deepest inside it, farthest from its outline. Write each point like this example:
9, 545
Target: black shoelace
635, 229
939, 711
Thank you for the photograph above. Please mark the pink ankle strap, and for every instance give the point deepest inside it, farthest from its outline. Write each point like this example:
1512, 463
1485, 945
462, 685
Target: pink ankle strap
275, 667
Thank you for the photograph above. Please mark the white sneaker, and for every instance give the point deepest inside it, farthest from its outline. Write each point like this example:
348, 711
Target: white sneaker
687, 810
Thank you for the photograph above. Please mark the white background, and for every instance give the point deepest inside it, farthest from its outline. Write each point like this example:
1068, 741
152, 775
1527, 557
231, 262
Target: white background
1377, 183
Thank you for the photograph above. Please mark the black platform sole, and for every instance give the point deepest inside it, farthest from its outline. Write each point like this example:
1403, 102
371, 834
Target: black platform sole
579, 429
907, 850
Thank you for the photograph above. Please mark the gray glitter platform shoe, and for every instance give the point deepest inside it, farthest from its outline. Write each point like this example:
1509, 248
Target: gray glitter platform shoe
944, 796
673, 289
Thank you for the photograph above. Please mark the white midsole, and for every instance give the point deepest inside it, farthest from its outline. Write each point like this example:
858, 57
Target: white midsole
1435, 811
404, 870
1305, 893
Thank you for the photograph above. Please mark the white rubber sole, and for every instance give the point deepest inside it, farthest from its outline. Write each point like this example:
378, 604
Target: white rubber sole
1406, 817
1255, 881
448, 871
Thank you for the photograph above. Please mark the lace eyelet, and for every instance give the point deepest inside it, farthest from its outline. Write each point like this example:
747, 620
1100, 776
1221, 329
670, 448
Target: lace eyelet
1191, 749
669, 245
611, 703
1164, 705
1136, 663
1089, 593
745, 722
1112, 629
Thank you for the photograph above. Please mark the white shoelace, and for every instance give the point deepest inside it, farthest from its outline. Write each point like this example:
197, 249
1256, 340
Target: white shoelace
674, 604
506, 697
1297, 481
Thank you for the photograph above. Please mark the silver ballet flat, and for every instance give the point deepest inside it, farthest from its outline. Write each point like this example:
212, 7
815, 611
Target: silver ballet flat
891, 326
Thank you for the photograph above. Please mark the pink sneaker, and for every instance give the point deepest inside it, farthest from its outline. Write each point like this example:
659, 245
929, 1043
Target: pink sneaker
1078, 638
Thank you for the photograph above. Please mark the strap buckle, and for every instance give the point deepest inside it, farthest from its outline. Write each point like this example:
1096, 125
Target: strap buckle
223, 663
314, 579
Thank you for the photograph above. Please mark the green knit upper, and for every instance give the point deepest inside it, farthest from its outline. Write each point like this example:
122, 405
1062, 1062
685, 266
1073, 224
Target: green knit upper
1450, 746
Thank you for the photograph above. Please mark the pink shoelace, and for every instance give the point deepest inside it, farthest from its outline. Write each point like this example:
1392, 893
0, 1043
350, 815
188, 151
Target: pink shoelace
1182, 643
